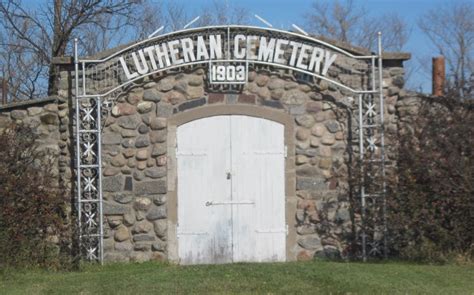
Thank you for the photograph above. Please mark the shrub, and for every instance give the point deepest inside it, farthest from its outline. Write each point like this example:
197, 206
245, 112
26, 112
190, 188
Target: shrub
31, 204
431, 212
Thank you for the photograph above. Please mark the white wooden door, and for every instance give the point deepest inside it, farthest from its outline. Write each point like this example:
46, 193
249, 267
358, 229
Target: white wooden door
204, 232
259, 231
231, 201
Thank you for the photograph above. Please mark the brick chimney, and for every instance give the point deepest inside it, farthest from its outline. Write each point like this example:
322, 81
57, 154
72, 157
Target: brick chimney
439, 75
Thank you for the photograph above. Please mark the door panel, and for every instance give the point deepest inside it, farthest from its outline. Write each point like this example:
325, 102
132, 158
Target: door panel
259, 232
204, 232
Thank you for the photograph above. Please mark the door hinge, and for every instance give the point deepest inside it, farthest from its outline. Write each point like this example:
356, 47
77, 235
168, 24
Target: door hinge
272, 230
286, 151
189, 233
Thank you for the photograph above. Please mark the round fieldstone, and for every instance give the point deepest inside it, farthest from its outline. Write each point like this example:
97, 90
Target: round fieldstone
332, 126
157, 123
158, 136
302, 134
151, 95
306, 229
129, 219
135, 96
121, 234
161, 160
141, 165
150, 162
142, 141
156, 172
328, 139
329, 252
48, 118
114, 221
325, 163
166, 84
262, 80
131, 163
318, 130
145, 107
159, 200
277, 93
21, 114
276, 83
127, 133
128, 153
149, 85
343, 215
294, 97
303, 144
123, 109
264, 93
138, 175
290, 85
157, 213
142, 154
33, 111
161, 228
110, 171
123, 198
305, 121
158, 150
159, 246
118, 161
194, 80
307, 171
195, 92
142, 203
314, 142
142, 227
310, 243
301, 159
129, 122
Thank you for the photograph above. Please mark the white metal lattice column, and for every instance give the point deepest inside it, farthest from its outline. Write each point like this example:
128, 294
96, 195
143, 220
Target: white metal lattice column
88, 119
372, 167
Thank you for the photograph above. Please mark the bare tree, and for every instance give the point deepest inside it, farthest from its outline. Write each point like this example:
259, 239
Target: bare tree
451, 31
21, 67
46, 32
222, 12
346, 21
175, 16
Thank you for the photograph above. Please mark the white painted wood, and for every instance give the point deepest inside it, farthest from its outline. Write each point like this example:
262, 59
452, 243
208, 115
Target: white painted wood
204, 232
231, 190
259, 230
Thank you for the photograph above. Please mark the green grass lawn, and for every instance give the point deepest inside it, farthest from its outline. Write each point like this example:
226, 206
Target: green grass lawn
277, 278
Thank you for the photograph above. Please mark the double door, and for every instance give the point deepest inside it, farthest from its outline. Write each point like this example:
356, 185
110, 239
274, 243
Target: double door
231, 190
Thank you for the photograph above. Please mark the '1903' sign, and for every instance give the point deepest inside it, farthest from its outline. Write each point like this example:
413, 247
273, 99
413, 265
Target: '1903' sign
230, 66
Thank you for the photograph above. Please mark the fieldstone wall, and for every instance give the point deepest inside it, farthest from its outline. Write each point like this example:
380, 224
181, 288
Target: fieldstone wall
49, 119
44, 118
136, 158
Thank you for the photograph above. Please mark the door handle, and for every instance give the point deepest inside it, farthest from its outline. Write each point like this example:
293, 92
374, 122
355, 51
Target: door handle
244, 202
229, 175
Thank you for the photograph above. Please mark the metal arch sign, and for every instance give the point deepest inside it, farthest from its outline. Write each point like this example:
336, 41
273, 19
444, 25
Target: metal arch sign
245, 48
226, 50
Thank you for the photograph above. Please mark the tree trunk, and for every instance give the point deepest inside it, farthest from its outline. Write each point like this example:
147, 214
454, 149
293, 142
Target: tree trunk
57, 49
